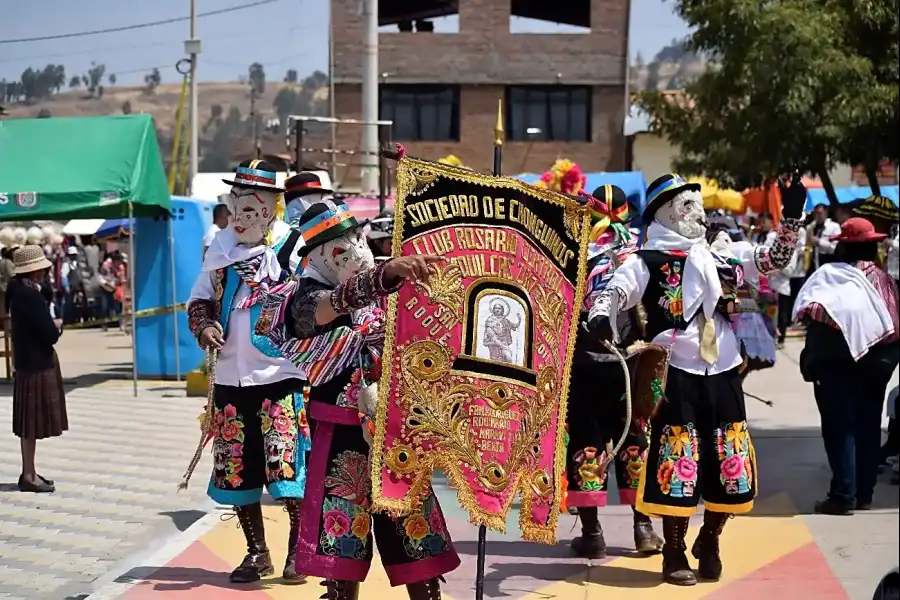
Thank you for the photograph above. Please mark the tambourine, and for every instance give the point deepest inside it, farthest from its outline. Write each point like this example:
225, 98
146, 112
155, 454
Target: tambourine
648, 366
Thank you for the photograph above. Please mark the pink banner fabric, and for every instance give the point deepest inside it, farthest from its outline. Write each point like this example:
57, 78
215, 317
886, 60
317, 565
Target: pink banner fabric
480, 355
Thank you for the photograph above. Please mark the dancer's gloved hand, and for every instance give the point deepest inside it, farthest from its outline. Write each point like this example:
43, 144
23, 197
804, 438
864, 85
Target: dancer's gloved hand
601, 328
412, 268
793, 197
211, 337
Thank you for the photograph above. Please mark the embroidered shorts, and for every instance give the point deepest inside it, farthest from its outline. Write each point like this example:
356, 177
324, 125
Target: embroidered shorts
700, 448
261, 440
596, 416
339, 526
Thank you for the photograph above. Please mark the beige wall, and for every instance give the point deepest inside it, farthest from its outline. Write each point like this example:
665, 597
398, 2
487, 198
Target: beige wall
654, 156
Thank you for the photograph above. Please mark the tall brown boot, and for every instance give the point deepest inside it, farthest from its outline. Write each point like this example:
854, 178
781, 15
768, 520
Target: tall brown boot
590, 544
676, 569
290, 575
424, 590
258, 563
645, 539
706, 547
340, 590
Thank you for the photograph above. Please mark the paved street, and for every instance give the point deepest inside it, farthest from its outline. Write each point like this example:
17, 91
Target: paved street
116, 471
115, 527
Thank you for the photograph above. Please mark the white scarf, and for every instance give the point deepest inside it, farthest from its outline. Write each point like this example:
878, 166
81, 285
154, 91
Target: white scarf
700, 281
226, 250
851, 301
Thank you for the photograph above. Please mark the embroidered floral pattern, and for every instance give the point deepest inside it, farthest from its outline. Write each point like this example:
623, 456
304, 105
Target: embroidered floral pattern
733, 447
632, 460
676, 473
588, 472
346, 523
279, 429
424, 532
672, 299
228, 448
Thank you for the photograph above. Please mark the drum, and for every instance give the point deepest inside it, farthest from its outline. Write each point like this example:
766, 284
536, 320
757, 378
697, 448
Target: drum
648, 365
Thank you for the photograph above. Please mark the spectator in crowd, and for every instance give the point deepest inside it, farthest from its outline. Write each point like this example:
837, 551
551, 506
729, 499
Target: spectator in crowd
850, 309
39, 401
893, 253
7, 272
819, 235
220, 222
112, 278
381, 235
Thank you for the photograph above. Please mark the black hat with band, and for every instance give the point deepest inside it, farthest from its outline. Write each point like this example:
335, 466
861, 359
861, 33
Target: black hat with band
324, 221
303, 184
255, 174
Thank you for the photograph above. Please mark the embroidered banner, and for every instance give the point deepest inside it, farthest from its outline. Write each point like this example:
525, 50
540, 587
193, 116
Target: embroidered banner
480, 355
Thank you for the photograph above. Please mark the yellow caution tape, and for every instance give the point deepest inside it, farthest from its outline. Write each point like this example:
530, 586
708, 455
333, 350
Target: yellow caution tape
141, 314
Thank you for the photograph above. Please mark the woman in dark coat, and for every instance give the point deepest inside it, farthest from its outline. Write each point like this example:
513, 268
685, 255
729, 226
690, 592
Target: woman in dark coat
39, 402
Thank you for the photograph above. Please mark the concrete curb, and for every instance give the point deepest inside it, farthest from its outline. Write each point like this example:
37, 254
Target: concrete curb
107, 587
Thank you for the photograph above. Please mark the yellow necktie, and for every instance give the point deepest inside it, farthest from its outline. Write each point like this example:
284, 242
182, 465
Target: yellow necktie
709, 352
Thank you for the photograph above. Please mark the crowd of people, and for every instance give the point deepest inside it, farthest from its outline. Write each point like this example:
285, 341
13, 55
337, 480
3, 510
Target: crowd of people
290, 304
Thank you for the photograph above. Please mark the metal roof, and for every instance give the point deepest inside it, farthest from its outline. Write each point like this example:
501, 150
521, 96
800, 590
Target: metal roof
576, 13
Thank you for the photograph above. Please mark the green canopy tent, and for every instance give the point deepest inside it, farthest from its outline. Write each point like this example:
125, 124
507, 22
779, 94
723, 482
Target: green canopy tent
83, 168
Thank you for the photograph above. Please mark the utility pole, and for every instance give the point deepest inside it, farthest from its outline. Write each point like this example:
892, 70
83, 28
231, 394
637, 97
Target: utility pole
253, 119
370, 98
192, 48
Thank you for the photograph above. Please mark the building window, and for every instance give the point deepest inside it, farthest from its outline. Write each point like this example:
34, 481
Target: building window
549, 113
421, 112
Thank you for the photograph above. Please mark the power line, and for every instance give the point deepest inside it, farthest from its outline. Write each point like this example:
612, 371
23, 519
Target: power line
136, 26
220, 38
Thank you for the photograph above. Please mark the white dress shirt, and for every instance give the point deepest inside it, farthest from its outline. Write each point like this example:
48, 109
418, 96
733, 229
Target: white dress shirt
631, 281
240, 363
210, 234
825, 245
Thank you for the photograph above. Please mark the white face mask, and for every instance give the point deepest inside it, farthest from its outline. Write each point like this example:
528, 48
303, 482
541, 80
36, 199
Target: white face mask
252, 212
340, 259
684, 215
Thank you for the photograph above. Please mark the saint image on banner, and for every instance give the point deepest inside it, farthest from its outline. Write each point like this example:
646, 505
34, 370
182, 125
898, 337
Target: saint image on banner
481, 353
502, 338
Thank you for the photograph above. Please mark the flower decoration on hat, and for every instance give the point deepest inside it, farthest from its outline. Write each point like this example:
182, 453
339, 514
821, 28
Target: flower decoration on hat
565, 177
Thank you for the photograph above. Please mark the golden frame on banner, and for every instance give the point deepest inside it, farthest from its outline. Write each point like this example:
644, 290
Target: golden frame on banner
418, 374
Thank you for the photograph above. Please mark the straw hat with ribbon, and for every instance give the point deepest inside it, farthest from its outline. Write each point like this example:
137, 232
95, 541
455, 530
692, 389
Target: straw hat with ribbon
29, 259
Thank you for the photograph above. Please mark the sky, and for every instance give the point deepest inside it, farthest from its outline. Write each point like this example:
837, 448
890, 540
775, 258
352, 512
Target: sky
282, 35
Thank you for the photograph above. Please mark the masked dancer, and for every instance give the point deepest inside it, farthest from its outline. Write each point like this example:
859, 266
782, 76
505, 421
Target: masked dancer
700, 447
260, 436
597, 406
332, 319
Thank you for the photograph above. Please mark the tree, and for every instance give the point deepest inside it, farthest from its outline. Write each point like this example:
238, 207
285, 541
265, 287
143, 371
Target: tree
215, 116
94, 77
773, 102
126, 107
291, 76
112, 79
99, 91
44, 113
29, 81
75, 82
257, 77
869, 119
152, 80
317, 80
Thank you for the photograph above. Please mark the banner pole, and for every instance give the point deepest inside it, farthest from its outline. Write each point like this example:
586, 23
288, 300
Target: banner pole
482, 530
132, 260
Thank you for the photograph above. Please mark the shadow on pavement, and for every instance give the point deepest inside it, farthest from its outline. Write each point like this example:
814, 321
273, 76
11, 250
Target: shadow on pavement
792, 461
179, 579
182, 519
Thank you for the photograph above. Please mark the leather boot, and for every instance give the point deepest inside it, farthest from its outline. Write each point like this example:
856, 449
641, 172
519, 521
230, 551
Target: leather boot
290, 575
340, 590
706, 546
590, 544
258, 563
645, 539
424, 590
676, 569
